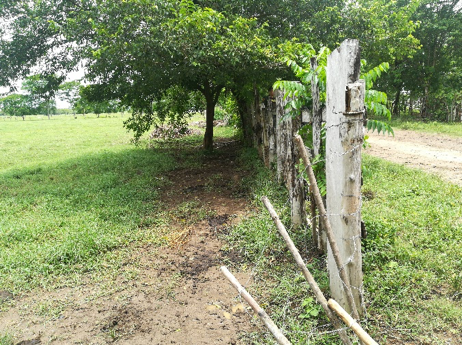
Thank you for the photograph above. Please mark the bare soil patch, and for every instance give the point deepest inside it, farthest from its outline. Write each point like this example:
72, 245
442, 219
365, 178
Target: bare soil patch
175, 294
434, 153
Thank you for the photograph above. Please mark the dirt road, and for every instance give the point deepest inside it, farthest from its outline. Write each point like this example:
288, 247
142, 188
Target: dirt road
434, 153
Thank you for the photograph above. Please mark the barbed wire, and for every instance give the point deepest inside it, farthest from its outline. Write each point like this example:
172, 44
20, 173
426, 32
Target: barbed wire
354, 243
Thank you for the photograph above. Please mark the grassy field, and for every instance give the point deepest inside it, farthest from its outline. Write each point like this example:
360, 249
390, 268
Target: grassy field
72, 190
453, 129
75, 195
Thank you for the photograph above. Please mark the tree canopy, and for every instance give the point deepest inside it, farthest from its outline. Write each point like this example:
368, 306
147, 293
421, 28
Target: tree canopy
141, 51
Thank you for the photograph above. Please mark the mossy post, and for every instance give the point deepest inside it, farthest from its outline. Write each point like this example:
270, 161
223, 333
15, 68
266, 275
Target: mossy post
345, 136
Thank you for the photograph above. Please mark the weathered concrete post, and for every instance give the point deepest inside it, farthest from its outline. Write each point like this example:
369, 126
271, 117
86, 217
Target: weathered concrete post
287, 158
272, 125
283, 130
344, 123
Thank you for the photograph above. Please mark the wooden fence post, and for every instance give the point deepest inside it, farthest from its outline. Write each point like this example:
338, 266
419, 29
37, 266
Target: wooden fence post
344, 123
283, 128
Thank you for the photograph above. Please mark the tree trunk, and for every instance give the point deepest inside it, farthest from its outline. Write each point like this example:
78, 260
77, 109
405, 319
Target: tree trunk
396, 103
209, 117
411, 105
245, 114
211, 95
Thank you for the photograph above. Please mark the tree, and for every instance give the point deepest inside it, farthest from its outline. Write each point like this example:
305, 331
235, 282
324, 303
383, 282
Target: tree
16, 105
42, 89
69, 92
89, 100
433, 76
193, 48
32, 39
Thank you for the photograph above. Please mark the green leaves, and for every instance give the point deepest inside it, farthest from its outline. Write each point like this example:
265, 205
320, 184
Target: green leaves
371, 76
311, 308
380, 126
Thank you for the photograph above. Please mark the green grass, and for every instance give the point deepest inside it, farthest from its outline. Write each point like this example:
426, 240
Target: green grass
411, 256
75, 194
6, 339
412, 259
39, 140
453, 129
72, 190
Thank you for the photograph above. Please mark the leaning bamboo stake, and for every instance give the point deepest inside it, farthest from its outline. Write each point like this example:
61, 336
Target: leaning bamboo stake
298, 259
330, 234
281, 339
351, 323
314, 230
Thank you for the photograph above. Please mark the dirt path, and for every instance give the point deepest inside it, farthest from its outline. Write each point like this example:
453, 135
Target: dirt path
434, 153
175, 294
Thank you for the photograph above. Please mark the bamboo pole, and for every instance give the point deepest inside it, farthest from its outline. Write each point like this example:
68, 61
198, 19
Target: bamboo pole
330, 234
314, 229
298, 259
281, 339
351, 323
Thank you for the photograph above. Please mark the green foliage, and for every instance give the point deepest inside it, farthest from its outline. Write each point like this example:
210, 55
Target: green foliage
181, 47
90, 100
69, 92
432, 76
311, 308
42, 89
300, 92
379, 126
16, 105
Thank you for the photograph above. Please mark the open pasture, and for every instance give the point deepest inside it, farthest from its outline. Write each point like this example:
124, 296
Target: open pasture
71, 190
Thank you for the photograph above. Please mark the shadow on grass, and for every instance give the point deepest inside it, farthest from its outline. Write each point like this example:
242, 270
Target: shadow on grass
58, 219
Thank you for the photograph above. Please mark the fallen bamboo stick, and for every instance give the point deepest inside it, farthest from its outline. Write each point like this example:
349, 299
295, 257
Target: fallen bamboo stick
281, 339
330, 234
299, 260
351, 323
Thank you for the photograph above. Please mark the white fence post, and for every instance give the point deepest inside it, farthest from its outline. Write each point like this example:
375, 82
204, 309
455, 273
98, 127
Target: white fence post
344, 123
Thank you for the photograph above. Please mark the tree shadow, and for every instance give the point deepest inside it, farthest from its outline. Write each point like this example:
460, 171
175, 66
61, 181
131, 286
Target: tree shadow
62, 217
